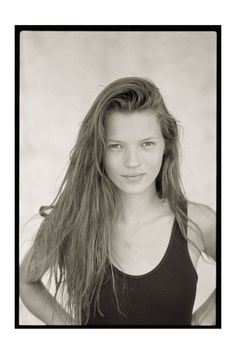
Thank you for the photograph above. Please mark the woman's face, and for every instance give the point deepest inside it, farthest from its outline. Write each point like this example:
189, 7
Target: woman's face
134, 150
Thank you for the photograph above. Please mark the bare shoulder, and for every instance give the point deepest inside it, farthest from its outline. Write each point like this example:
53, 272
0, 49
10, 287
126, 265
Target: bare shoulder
205, 218
202, 214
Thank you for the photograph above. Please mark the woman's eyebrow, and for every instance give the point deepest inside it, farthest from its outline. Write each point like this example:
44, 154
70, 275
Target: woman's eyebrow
117, 141
145, 139
149, 138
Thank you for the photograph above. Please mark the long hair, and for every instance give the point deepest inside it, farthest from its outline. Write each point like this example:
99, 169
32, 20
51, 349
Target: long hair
75, 234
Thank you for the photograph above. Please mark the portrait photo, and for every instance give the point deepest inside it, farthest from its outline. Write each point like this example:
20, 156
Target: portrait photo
119, 159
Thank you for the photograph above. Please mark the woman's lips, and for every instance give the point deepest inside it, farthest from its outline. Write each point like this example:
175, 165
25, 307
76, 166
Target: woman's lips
133, 177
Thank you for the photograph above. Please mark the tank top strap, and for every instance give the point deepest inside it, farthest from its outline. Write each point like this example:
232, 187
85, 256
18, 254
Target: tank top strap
184, 208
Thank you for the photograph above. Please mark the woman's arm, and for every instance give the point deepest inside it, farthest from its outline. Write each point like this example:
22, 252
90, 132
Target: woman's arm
36, 297
205, 218
206, 314
42, 304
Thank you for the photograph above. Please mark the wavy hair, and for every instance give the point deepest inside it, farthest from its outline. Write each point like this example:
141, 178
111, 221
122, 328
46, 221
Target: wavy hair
75, 234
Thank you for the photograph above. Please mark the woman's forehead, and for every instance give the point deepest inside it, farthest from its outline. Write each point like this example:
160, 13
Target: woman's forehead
135, 125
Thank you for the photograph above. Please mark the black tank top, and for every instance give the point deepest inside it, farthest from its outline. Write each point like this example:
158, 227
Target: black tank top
162, 297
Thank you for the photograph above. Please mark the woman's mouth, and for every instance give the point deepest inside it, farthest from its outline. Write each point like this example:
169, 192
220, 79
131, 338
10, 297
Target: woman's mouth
133, 177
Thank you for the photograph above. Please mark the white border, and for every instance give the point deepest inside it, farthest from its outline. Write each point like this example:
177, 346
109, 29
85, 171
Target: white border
121, 12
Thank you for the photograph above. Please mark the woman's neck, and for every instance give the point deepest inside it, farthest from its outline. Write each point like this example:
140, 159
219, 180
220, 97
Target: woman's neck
139, 207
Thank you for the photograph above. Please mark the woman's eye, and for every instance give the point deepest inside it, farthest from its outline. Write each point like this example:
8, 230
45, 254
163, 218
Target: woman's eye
147, 144
115, 147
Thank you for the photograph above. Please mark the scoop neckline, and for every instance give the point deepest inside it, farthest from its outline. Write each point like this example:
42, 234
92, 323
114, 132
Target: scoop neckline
158, 265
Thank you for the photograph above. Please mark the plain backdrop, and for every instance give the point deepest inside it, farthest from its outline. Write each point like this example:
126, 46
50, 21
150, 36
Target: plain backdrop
61, 73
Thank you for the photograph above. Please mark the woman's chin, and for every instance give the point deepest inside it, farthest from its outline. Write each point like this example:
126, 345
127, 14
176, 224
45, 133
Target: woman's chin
135, 188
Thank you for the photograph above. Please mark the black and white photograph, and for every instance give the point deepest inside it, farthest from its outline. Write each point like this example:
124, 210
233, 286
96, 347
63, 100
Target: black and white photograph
119, 183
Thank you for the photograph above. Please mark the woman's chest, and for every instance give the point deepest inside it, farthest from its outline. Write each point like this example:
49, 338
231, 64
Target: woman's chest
139, 249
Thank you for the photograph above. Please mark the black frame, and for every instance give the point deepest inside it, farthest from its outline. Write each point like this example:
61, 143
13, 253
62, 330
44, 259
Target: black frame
199, 28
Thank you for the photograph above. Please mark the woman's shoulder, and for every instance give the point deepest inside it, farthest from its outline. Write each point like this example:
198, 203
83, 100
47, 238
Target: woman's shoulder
205, 218
201, 212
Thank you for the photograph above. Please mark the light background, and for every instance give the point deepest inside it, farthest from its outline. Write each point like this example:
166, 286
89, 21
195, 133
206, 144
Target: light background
62, 73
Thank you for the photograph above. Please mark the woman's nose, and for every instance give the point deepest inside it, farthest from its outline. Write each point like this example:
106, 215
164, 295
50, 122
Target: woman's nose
131, 158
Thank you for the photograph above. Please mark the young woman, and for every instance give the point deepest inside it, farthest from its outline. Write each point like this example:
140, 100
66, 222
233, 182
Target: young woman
121, 240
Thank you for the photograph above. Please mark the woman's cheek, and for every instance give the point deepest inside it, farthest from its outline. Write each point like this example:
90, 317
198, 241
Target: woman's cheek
112, 162
153, 160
